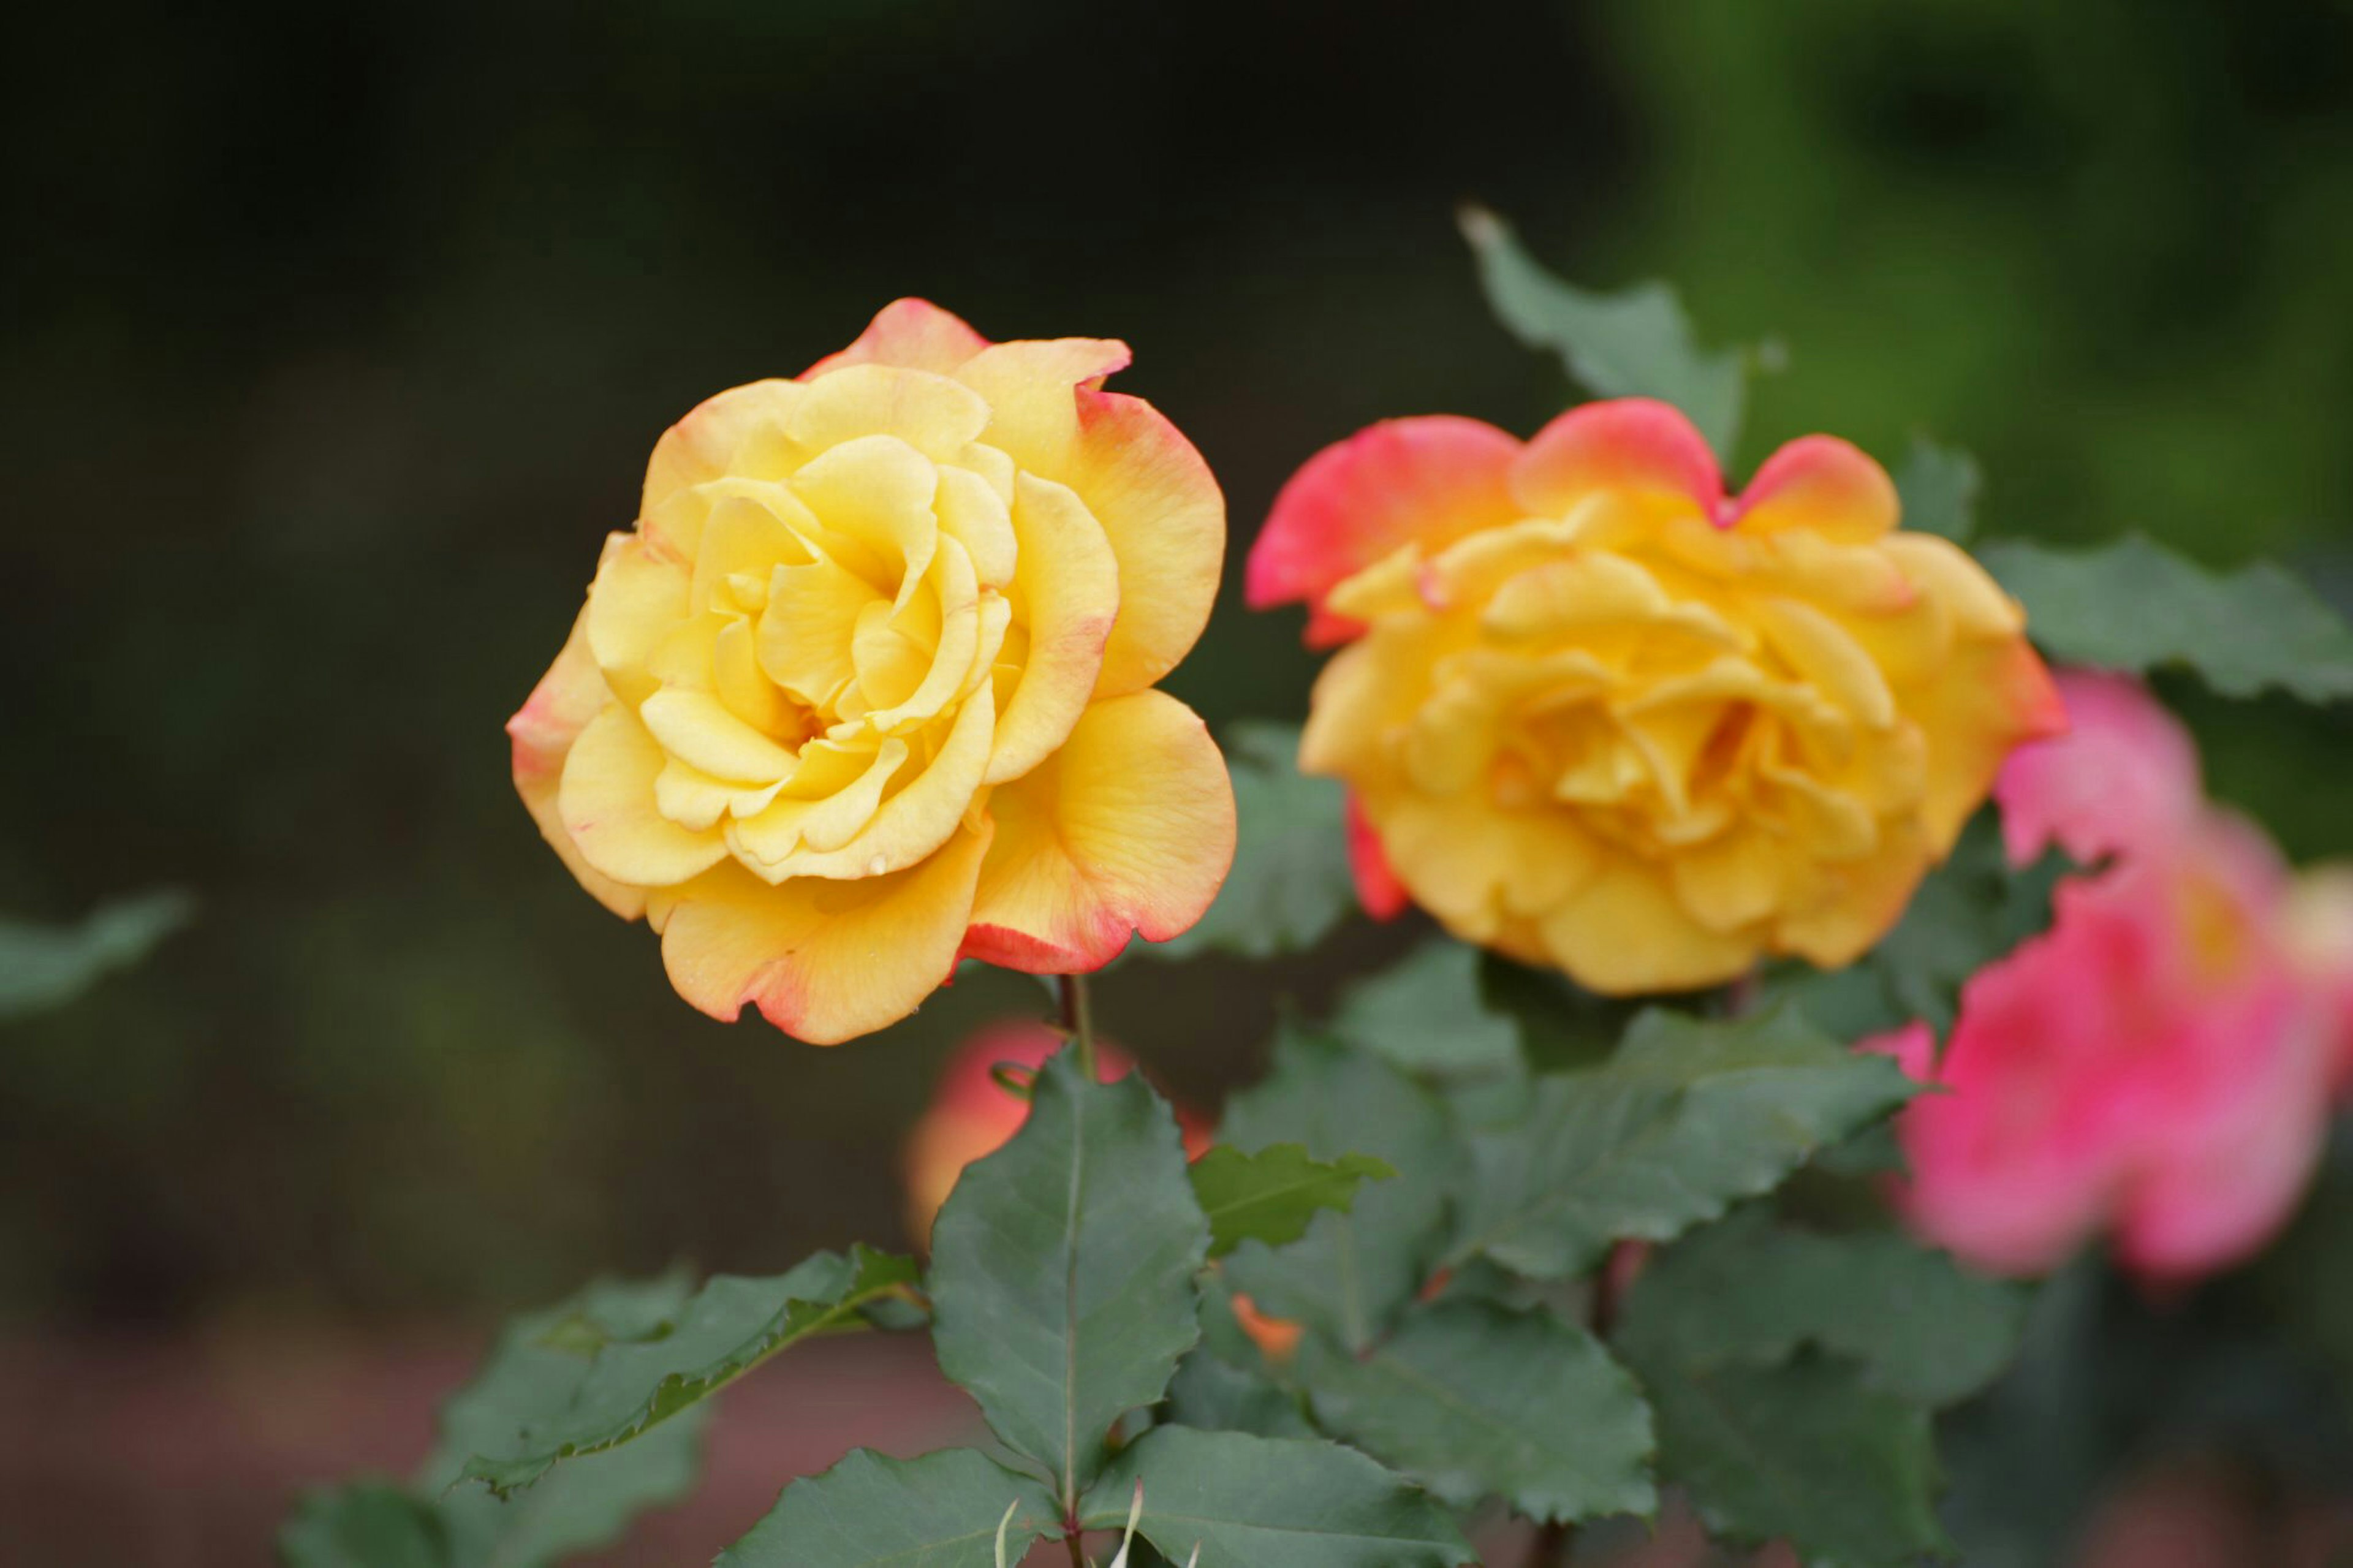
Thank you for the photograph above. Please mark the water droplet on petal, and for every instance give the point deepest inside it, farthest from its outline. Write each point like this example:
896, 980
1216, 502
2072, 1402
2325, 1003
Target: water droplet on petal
877, 865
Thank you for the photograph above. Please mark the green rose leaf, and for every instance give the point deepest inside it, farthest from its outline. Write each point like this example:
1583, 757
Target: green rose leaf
539, 1364
366, 1524
1804, 1451
1291, 883
1216, 1395
942, 1511
1224, 1383
1687, 1118
2135, 605
1473, 1400
730, 1326
1749, 1290
1938, 487
1248, 1501
1062, 1269
1427, 1014
1631, 343
1270, 1196
44, 966
1351, 1273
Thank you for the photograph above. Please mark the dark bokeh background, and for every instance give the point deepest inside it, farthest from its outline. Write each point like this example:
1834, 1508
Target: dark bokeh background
339, 335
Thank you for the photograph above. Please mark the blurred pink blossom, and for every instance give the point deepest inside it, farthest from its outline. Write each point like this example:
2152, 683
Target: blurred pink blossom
2156, 1065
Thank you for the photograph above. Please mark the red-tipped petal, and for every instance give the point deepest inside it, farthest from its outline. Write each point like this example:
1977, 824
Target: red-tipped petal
1635, 445
912, 333
1377, 888
1820, 484
1426, 480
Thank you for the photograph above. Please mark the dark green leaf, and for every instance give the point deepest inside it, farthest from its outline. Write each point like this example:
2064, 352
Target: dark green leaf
1251, 1503
1938, 486
44, 966
1632, 342
1352, 1272
539, 1364
1291, 883
941, 1510
2135, 605
1474, 1401
731, 1325
1426, 1014
1062, 1269
1689, 1117
1270, 1196
1216, 1395
1806, 1451
1752, 1291
366, 1524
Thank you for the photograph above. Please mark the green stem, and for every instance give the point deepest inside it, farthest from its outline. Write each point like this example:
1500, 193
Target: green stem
1078, 1021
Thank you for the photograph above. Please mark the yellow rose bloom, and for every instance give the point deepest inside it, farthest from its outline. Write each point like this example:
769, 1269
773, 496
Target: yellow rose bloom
1594, 714
869, 688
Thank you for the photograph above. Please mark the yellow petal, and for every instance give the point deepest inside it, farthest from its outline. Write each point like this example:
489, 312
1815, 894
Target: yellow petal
921, 816
702, 732
693, 798
1856, 903
749, 694
1158, 505
972, 513
1624, 932
570, 695
831, 795
1128, 828
739, 431
810, 629
741, 535
935, 414
823, 961
1732, 882
1478, 868
607, 805
1825, 658
876, 494
1941, 569
637, 599
950, 619
1067, 595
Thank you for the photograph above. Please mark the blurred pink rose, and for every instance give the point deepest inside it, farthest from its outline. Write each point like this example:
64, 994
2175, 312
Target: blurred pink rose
2156, 1064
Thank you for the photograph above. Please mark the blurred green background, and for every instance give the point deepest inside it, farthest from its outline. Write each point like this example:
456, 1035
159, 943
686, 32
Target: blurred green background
340, 335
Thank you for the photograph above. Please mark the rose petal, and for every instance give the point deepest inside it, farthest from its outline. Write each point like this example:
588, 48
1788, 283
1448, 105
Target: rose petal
1623, 932
570, 695
2124, 778
607, 802
1069, 585
911, 332
1425, 481
1377, 888
1129, 826
1636, 445
1818, 484
823, 960
740, 431
1159, 506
